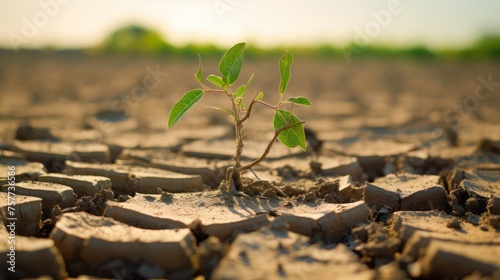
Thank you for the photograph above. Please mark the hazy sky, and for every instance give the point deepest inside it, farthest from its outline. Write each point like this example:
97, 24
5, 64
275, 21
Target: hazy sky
79, 23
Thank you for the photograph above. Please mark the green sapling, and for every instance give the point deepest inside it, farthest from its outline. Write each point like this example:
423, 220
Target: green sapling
288, 128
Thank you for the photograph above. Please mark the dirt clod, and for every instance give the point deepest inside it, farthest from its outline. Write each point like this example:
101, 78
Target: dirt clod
328, 188
288, 173
97, 204
333, 198
27, 132
316, 166
260, 187
165, 196
310, 197
472, 205
454, 223
457, 201
123, 198
472, 218
292, 190
377, 246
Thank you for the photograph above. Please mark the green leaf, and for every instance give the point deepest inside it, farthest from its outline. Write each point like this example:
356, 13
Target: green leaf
240, 92
216, 80
199, 75
227, 66
187, 101
259, 96
234, 72
224, 110
285, 63
293, 136
299, 100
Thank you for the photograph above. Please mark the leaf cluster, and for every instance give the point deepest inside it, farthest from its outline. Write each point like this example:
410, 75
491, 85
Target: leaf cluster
289, 129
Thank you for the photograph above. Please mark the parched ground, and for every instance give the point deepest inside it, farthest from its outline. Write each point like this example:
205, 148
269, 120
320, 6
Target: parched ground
401, 179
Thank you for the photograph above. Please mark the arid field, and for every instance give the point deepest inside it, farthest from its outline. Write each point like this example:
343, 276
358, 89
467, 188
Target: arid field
401, 178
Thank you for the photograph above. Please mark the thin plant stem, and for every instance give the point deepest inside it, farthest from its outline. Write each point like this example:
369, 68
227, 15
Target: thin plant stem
250, 107
267, 150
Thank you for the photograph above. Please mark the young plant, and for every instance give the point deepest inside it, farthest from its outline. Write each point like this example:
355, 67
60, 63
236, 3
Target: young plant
288, 128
